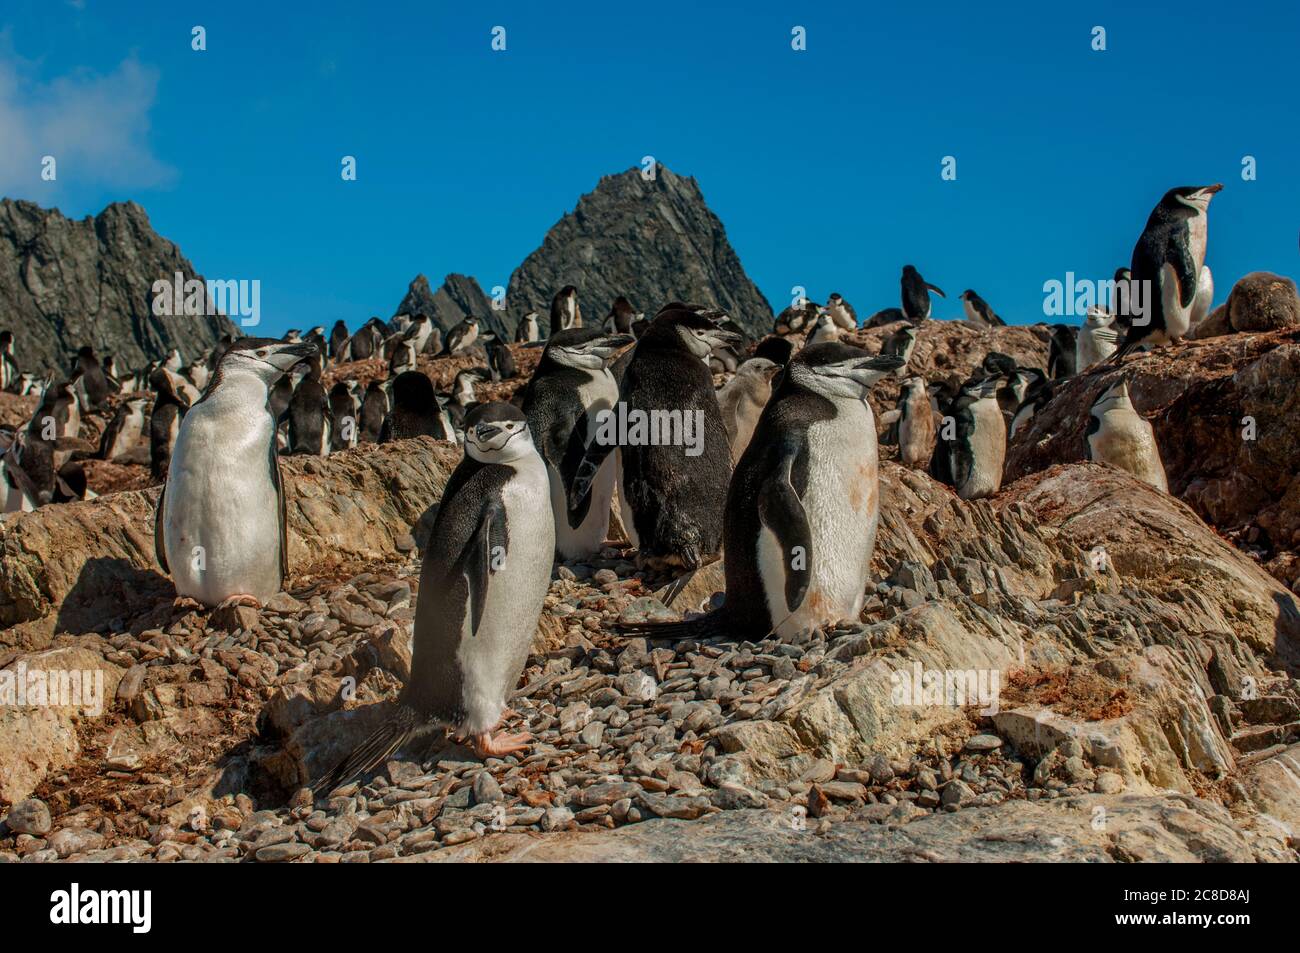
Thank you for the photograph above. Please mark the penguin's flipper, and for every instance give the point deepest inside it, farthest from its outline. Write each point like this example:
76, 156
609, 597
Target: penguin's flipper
1184, 268
159, 547
935, 290
278, 480
488, 546
781, 511
585, 473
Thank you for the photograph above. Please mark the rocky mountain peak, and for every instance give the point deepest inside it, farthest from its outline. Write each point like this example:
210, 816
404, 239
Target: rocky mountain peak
459, 296
65, 283
652, 240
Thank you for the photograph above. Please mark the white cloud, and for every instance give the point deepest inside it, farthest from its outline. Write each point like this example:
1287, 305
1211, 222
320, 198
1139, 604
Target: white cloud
95, 125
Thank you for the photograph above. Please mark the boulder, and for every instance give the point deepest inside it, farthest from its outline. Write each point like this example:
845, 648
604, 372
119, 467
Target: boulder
1263, 301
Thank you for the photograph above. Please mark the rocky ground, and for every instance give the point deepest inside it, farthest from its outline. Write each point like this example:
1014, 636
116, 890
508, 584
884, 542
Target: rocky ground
1147, 707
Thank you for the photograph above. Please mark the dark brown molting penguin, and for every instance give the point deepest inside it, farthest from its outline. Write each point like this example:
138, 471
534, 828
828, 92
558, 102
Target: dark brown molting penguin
671, 493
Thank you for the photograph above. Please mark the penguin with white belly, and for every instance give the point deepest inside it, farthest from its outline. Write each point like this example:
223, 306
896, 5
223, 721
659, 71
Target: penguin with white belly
978, 449
220, 523
1098, 339
803, 506
485, 576
1168, 261
571, 386
1120, 436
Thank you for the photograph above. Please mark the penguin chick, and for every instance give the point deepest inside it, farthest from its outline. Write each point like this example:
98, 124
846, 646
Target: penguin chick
742, 400
1098, 339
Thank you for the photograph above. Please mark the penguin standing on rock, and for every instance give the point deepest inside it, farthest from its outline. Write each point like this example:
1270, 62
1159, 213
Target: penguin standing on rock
1168, 259
824, 330
9, 372
344, 411
123, 439
482, 585
528, 331
916, 295
672, 492
621, 316
309, 417
978, 310
900, 344
92, 378
916, 430
1120, 436
979, 446
338, 343
570, 388
374, 408
165, 419
1062, 352
804, 505
842, 313
462, 336
220, 524
565, 313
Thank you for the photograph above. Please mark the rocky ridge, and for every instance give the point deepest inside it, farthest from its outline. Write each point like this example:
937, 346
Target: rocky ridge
66, 283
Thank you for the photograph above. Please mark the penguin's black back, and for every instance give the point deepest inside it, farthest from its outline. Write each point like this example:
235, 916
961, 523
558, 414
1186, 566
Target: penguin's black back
676, 500
307, 416
415, 408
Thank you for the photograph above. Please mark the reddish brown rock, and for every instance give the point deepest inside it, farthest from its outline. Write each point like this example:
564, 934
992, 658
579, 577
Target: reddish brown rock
1226, 414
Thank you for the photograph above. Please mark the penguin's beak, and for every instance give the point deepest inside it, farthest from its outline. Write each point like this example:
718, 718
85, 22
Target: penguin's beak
717, 337
611, 345
1213, 189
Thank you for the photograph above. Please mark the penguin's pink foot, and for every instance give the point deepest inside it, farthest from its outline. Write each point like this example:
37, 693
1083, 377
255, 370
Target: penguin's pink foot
185, 604
240, 599
498, 746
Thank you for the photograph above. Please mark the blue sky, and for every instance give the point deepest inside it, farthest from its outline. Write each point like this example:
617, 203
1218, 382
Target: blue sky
824, 165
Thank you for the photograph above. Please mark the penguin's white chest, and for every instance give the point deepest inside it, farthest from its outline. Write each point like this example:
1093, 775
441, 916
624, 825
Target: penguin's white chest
492, 659
1127, 441
988, 450
842, 505
221, 515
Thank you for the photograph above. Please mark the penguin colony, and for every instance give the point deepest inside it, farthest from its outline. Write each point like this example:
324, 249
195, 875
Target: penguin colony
778, 467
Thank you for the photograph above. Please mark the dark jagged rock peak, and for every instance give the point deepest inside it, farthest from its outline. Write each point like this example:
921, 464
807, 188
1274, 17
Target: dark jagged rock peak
653, 241
66, 283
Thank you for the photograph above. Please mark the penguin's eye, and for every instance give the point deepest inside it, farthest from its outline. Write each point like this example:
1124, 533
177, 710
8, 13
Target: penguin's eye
261, 353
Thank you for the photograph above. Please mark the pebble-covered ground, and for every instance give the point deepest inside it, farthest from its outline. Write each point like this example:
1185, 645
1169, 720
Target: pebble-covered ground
623, 731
